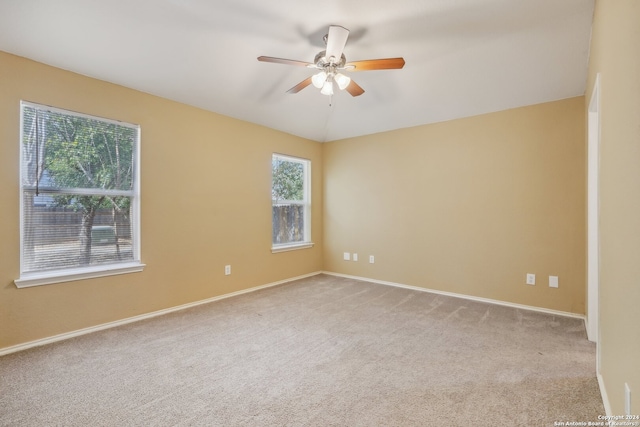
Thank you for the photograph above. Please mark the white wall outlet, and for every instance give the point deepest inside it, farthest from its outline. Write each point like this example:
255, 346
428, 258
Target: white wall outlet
553, 281
371, 259
347, 256
531, 279
627, 399
354, 257
227, 270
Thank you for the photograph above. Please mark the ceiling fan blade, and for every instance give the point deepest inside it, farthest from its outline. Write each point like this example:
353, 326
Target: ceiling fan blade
283, 61
376, 64
336, 41
297, 88
354, 89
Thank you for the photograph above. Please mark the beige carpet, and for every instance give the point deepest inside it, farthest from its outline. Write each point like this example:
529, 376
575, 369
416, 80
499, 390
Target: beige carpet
322, 351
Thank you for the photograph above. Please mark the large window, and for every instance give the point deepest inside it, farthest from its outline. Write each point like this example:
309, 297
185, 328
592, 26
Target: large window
291, 202
79, 196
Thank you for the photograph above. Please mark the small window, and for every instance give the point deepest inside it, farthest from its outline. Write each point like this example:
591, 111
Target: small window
79, 196
291, 203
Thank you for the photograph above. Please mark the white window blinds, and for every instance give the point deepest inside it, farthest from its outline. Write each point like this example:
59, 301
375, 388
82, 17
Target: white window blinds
79, 190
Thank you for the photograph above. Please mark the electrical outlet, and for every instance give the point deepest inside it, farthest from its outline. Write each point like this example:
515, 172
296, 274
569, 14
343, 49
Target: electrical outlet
531, 279
354, 257
227, 270
347, 256
371, 259
553, 281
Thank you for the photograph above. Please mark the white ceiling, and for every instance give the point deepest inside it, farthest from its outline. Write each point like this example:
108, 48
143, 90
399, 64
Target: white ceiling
463, 57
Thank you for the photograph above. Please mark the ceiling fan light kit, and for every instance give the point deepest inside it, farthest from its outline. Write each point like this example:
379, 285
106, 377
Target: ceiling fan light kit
330, 66
324, 81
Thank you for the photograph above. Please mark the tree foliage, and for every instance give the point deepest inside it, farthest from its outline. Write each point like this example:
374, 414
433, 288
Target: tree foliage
87, 153
82, 157
288, 180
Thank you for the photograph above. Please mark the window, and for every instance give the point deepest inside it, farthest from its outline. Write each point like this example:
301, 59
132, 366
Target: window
291, 203
79, 196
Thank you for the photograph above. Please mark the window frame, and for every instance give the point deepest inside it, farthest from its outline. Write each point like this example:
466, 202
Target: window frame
306, 202
38, 278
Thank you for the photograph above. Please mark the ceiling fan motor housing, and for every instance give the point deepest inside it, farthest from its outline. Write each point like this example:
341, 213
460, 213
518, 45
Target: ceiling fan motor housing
322, 62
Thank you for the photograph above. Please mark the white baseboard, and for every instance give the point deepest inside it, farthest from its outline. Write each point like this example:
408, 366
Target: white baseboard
467, 297
79, 332
605, 397
84, 331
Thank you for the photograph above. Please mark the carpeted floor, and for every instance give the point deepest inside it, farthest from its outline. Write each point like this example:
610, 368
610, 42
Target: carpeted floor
322, 351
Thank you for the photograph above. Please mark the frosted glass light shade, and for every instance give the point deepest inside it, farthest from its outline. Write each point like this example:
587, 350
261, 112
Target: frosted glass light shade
342, 81
327, 88
319, 79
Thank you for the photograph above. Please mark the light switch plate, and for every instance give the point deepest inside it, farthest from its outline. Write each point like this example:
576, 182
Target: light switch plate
553, 281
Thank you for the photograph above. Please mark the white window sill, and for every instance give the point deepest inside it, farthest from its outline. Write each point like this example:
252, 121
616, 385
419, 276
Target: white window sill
291, 247
50, 277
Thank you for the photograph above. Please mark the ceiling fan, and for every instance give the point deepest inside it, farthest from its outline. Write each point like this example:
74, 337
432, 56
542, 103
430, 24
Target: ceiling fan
331, 62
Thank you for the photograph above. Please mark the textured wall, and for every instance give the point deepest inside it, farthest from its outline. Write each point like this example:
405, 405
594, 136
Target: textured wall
467, 206
205, 203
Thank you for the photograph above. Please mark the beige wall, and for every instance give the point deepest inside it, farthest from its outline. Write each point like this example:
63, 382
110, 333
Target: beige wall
615, 54
467, 206
205, 202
